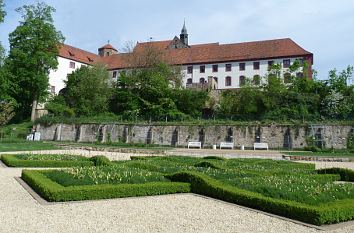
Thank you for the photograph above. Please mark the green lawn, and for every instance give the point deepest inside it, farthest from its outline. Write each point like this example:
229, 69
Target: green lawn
20, 145
289, 189
343, 153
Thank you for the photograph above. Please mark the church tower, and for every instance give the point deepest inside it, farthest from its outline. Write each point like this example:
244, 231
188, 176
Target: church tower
184, 35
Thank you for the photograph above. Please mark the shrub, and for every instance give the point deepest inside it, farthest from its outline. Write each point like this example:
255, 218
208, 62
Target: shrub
101, 161
214, 157
14, 161
345, 174
207, 164
52, 191
324, 214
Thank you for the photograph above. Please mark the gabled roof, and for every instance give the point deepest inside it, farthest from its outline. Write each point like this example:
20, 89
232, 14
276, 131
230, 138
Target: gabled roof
79, 55
215, 52
196, 54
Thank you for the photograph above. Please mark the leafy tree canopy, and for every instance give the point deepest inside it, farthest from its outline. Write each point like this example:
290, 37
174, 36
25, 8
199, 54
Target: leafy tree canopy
34, 46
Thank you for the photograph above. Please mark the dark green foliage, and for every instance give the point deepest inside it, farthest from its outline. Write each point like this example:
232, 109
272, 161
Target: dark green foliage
16, 161
88, 91
214, 157
52, 191
207, 164
57, 107
34, 46
155, 93
285, 188
101, 161
324, 214
300, 99
345, 174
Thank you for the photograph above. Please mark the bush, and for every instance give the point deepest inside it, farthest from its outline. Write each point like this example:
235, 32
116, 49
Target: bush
52, 191
14, 161
324, 214
214, 157
345, 174
101, 161
207, 164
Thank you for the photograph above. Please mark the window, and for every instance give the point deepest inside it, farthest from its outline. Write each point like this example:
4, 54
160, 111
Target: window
270, 64
189, 81
215, 68
228, 81
189, 69
299, 75
72, 65
242, 66
301, 61
256, 65
286, 63
202, 69
114, 75
242, 80
202, 80
256, 80
228, 67
287, 78
52, 90
107, 54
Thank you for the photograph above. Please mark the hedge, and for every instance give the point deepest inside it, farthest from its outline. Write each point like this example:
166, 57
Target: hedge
333, 212
13, 161
100, 161
53, 191
345, 174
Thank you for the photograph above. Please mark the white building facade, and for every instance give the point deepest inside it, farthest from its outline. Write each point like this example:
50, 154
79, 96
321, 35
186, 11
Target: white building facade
227, 65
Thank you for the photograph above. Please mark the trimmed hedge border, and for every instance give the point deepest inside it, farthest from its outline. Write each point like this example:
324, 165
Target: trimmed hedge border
333, 212
52, 191
345, 174
13, 161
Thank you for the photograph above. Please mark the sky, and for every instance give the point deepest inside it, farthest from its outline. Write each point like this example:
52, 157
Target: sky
323, 27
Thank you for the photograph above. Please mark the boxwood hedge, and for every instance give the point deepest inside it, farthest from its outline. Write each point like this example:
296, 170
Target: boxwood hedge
334, 212
53, 191
13, 161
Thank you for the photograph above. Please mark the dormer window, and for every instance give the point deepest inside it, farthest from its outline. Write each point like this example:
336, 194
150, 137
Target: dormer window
71, 54
90, 59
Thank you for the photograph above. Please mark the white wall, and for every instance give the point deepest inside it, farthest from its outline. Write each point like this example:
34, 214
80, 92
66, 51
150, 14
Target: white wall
57, 77
235, 72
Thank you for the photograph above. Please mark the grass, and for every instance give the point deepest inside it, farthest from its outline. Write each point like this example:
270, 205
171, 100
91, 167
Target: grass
22, 145
336, 153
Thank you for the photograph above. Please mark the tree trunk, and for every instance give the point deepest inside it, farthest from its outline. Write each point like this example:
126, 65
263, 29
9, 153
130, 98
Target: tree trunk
33, 113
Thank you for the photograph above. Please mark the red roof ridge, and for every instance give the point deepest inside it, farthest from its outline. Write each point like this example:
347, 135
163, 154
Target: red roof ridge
108, 46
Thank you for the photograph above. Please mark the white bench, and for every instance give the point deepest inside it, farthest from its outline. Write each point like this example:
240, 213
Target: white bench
260, 145
195, 145
227, 145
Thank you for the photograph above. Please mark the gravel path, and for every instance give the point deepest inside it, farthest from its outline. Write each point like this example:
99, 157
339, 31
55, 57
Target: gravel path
19, 212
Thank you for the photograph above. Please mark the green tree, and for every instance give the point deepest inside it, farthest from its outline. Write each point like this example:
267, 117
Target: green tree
34, 47
88, 90
339, 101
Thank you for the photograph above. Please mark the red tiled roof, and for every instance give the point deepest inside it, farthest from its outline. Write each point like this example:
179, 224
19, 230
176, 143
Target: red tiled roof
79, 55
215, 52
163, 44
108, 46
207, 53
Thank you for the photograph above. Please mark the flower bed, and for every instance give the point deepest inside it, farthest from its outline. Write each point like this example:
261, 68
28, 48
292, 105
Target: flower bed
289, 189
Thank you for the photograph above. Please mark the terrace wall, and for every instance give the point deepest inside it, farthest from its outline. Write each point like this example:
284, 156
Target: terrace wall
277, 136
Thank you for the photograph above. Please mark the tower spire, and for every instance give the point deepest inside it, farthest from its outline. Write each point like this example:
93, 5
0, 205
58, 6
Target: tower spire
184, 34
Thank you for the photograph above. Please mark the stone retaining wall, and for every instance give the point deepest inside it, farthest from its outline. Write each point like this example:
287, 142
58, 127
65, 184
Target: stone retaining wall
276, 136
